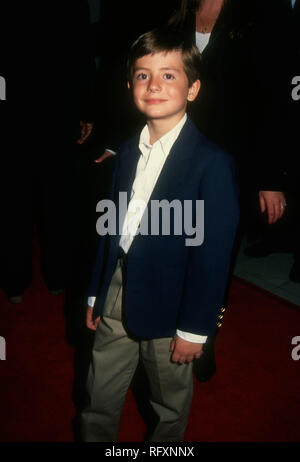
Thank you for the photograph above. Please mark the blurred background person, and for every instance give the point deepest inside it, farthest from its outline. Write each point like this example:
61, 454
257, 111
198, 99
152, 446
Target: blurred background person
43, 170
281, 119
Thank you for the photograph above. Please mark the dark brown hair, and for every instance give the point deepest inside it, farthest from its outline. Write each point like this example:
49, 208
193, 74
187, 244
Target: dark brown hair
165, 40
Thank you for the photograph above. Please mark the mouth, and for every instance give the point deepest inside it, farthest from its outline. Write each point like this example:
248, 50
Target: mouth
155, 101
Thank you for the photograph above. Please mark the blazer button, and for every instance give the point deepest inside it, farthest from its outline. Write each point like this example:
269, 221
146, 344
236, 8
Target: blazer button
223, 309
220, 316
219, 324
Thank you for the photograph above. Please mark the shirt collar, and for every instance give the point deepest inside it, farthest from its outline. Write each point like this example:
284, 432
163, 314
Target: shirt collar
166, 141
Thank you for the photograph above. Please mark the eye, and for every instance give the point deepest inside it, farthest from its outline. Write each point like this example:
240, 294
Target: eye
169, 76
141, 76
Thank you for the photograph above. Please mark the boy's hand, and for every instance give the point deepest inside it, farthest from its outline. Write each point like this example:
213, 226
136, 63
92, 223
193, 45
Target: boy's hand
90, 322
184, 351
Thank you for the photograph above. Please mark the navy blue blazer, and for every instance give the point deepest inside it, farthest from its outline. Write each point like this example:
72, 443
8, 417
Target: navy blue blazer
167, 284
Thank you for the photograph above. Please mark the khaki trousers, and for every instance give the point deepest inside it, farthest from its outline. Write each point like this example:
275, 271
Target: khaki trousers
115, 357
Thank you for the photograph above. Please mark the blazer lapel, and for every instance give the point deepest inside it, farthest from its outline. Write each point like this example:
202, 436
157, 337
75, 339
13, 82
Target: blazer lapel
128, 166
174, 173
129, 157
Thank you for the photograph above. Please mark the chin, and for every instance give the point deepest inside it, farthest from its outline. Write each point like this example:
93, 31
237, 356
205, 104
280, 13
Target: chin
155, 114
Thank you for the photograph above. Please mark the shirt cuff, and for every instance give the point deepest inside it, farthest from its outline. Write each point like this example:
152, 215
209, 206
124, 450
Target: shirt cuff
91, 301
194, 338
110, 150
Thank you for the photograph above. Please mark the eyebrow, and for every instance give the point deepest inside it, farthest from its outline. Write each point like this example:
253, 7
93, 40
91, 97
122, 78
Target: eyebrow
169, 68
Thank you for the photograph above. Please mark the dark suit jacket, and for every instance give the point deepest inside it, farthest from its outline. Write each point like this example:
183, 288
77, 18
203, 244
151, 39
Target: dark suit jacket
168, 285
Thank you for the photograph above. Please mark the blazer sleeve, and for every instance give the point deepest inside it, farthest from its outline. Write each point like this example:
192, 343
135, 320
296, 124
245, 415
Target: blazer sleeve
208, 264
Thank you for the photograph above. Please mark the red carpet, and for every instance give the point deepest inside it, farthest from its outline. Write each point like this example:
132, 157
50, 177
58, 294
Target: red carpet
254, 395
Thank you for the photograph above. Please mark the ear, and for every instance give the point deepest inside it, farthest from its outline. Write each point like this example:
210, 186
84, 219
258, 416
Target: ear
194, 90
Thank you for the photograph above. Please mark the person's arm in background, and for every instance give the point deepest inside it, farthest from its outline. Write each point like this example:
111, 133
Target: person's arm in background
86, 69
273, 93
85, 131
107, 153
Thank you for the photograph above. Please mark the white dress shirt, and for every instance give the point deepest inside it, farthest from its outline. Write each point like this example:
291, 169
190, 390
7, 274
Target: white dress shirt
148, 169
202, 40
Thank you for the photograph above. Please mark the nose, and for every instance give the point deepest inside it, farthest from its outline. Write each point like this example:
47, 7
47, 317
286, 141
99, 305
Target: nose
154, 84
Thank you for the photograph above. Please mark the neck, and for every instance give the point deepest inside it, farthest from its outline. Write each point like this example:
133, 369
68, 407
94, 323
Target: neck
210, 6
208, 14
158, 128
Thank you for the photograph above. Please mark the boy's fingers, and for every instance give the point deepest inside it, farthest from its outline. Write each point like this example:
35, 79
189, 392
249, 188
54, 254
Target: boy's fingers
182, 359
184, 351
90, 322
93, 324
90, 325
176, 358
96, 322
172, 345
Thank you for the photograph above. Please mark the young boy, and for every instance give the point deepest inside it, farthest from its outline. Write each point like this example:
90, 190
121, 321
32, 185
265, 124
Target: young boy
158, 291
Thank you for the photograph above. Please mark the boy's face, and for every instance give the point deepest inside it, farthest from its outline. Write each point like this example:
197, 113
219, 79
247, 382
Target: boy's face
160, 87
